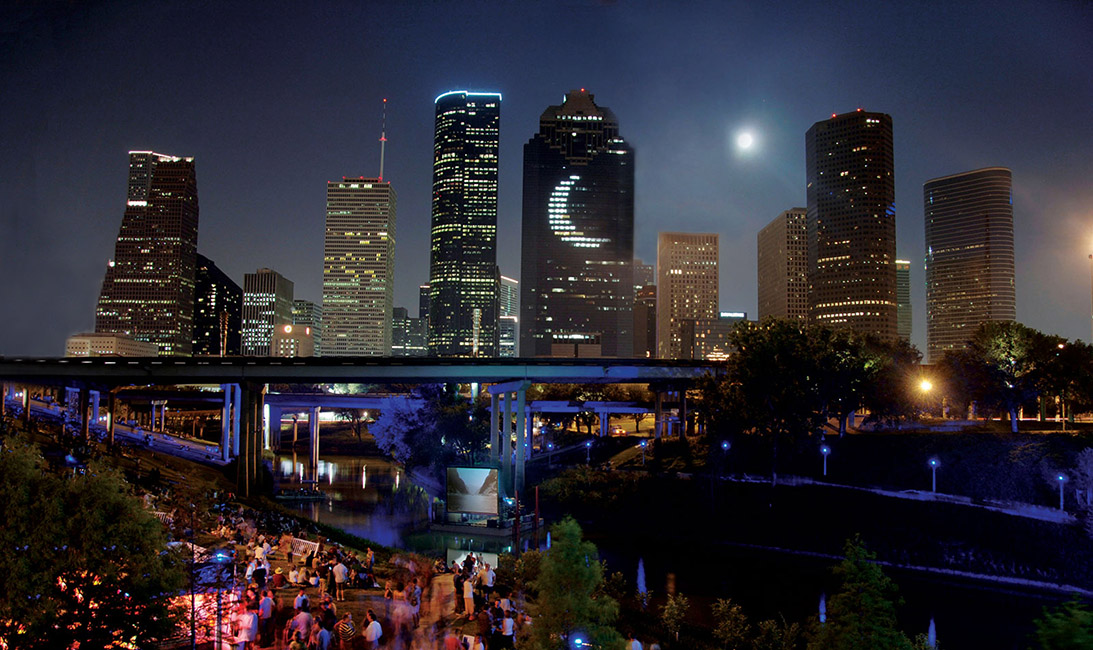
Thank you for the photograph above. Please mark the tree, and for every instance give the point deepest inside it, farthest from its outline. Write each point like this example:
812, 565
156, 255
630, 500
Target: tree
569, 575
92, 565
1067, 627
730, 624
862, 615
894, 365
438, 429
777, 635
772, 387
1008, 365
673, 612
356, 417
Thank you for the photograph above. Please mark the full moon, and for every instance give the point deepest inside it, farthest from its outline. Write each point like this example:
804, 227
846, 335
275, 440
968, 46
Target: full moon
745, 140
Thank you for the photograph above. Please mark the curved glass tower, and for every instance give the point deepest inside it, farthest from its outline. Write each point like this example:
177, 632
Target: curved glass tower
463, 275
969, 256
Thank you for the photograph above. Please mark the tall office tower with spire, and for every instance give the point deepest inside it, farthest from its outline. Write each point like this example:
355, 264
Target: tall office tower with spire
359, 264
267, 303
148, 291
852, 223
463, 275
783, 266
687, 287
577, 252
903, 299
969, 256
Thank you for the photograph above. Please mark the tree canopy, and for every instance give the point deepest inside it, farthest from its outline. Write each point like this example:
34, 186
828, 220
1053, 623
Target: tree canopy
569, 601
83, 560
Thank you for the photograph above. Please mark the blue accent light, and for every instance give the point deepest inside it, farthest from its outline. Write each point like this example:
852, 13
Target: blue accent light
468, 93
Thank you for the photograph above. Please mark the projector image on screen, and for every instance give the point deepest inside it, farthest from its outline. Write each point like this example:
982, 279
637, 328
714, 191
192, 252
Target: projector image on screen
472, 490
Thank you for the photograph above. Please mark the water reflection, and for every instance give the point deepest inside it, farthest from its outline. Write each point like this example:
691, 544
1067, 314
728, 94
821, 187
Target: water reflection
380, 506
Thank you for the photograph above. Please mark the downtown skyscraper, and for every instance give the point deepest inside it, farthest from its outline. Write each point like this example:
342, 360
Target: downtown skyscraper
267, 304
148, 291
782, 260
577, 253
218, 312
358, 268
969, 256
463, 275
687, 287
852, 223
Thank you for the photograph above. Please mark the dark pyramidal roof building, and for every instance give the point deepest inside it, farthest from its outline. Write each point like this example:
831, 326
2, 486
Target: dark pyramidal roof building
148, 291
578, 232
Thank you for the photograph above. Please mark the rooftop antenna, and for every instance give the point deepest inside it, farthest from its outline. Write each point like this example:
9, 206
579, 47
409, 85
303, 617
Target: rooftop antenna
383, 136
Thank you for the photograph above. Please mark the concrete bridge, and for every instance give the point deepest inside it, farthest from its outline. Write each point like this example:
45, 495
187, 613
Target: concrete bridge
244, 387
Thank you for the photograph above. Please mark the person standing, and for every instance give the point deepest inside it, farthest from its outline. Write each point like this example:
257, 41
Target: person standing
265, 619
468, 596
345, 631
341, 574
373, 632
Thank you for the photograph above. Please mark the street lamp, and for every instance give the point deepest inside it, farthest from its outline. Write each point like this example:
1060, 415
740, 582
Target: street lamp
825, 450
550, 454
1062, 481
587, 452
934, 463
642, 445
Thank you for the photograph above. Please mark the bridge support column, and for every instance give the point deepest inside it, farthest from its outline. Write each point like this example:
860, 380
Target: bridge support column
263, 419
684, 428
273, 426
295, 430
26, 405
521, 435
111, 416
495, 438
505, 448
5, 393
225, 423
83, 403
313, 426
237, 408
94, 406
604, 423
658, 414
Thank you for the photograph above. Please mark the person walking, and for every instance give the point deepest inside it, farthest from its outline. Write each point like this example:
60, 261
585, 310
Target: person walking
341, 574
468, 597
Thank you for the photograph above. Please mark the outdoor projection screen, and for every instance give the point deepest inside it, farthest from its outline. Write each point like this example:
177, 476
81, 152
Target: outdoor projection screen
472, 490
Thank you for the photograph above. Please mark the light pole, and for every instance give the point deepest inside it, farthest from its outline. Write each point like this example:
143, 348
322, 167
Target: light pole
550, 454
1062, 481
825, 450
642, 445
934, 462
587, 452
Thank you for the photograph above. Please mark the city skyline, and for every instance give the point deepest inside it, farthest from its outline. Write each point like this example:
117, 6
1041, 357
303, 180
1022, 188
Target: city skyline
262, 135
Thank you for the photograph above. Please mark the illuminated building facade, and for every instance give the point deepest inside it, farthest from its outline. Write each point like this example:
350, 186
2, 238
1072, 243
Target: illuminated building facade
687, 286
95, 344
852, 223
267, 303
218, 312
969, 256
645, 322
358, 268
148, 291
293, 341
463, 275
903, 299
709, 339
508, 322
783, 266
309, 314
578, 233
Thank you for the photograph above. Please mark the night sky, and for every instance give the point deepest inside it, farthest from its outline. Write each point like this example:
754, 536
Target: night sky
274, 99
